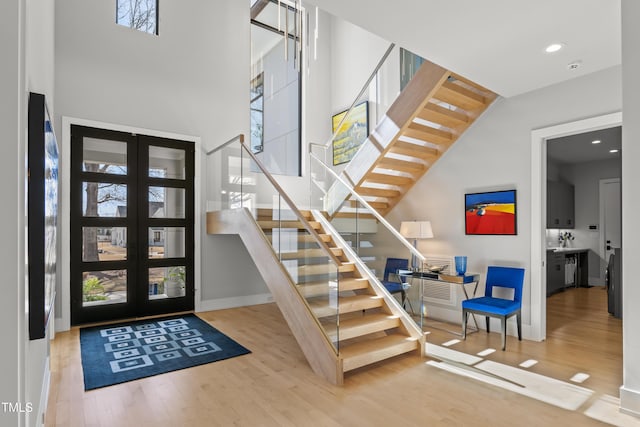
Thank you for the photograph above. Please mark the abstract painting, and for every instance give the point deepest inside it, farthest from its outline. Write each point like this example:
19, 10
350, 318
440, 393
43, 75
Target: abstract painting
491, 212
352, 133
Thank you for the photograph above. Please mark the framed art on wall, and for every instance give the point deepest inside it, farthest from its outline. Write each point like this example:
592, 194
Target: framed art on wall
42, 199
353, 131
492, 213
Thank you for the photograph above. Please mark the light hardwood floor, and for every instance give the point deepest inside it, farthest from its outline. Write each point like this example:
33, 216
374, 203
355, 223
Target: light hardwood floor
274, 386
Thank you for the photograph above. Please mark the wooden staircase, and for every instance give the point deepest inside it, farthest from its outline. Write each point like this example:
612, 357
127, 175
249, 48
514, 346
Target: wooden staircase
365, 326
430, 114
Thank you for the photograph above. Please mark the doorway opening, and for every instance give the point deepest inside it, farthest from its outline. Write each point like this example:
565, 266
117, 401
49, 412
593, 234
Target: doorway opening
583, 235
132, 225
538, 298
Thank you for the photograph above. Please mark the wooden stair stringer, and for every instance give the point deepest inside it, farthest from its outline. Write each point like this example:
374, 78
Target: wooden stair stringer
442, 124
305, 327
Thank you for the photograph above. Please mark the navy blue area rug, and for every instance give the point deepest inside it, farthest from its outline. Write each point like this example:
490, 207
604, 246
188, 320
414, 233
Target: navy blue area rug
113, 354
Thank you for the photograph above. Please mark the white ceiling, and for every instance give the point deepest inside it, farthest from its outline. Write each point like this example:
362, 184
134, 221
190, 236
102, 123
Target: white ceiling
496, 43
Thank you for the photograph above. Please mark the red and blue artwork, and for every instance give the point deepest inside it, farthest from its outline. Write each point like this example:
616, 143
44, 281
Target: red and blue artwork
491, 213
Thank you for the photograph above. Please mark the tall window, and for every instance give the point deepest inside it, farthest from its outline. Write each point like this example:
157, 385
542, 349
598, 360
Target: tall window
140, 15
276, 49
257, 113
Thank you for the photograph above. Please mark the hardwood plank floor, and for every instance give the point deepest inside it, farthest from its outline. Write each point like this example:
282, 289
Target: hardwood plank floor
274, 386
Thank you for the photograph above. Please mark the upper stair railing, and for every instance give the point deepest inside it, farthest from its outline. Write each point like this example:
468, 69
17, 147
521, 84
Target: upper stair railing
377, 94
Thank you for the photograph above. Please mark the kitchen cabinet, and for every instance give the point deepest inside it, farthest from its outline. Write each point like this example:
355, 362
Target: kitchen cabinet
555, 272
560, 205
558, 277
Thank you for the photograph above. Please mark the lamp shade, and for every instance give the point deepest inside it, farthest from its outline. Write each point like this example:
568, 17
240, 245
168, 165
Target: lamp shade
416, 229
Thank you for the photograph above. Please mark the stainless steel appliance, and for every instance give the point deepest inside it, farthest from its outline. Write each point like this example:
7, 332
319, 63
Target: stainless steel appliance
614, 284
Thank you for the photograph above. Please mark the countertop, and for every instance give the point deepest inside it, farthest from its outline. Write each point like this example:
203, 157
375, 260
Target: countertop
568, 250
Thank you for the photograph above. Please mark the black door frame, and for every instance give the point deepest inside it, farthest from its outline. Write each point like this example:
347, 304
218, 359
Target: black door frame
137, 261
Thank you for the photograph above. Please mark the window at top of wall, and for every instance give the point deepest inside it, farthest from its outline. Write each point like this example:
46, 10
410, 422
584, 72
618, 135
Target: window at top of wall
140, 15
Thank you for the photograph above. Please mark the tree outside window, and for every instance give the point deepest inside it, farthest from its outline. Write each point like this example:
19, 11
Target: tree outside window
140, 15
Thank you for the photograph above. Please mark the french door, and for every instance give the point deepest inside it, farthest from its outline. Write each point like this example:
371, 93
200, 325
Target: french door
132, 225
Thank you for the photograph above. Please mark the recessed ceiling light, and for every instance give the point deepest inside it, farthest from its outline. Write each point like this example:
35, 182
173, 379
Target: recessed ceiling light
615, 150
597, 141
554, 47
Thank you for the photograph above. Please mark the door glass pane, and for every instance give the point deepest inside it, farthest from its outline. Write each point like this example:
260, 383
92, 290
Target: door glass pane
166, 202
104, 244
104, 287
167, 282
166, 162
104, 156
166, 242
103, 199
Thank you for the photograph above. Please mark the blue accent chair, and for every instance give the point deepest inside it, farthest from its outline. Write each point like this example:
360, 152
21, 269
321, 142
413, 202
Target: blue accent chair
391, 267
489, 306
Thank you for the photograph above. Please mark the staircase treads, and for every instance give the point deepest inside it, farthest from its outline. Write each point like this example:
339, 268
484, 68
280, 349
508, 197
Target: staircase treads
361, 325
353, 283
270, 224
309, 253
358, 215
304, 237
373, 204
346, 304
413, 150
400, 165
315, 289
324, 287
459, 96
271, 214
364, 353
327, 268
444, 116
378, 192
383, 178
428, 133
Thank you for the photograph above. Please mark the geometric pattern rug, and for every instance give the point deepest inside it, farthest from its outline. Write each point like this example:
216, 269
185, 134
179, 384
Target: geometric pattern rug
113, 354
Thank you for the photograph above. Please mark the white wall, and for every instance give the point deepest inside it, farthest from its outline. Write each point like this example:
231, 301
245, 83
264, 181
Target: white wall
630, 391
26, 41
12, 108
192, 79
494, 155
346, 57
39, 78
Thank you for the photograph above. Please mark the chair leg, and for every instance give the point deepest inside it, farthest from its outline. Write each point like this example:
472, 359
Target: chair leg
464, 324
411, 306
487, 320
519, 323
503, 324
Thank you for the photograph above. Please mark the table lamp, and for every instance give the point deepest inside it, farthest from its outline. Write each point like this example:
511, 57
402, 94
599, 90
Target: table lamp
416, 230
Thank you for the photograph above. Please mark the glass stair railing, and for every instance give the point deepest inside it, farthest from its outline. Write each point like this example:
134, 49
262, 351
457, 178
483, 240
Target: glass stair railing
361, 321
313, 264
368, 236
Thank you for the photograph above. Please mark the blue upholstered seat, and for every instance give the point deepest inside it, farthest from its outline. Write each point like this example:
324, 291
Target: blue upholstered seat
490, 306
395, 286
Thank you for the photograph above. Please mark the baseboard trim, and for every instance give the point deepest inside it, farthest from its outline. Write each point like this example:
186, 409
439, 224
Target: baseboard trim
233, 302
630, 401
44, 397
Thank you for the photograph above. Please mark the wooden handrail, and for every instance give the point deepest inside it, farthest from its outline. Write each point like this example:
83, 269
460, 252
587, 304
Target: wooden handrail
239, 137
293, 206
